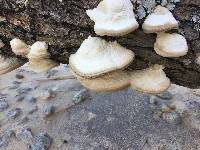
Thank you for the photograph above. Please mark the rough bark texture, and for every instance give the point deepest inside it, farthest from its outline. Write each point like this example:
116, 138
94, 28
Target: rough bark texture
64, 25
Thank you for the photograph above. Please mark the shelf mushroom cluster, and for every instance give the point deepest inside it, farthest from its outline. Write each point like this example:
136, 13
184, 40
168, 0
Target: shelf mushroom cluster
100, 65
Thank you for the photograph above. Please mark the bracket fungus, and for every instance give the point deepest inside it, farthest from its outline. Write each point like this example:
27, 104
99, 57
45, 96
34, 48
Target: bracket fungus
114, 81
19, 47
160, 20
113, 18
8, 64
1, 44
152, 80
39, 57
96, 57
170, 45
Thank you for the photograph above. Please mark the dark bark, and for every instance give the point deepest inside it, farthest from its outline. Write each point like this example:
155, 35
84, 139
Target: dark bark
65, 25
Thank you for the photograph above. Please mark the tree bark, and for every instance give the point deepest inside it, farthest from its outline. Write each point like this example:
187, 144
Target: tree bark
64, 25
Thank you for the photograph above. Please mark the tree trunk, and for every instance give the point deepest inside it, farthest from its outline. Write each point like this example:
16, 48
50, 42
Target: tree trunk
64, 25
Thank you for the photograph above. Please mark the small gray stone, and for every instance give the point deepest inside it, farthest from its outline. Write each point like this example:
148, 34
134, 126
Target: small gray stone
3, 105
13, 113
48, 94
165, 95
80, 96
172, 117
33, 109
48, 110
30, 99
24, 90
19, 76
41, 141
24, 134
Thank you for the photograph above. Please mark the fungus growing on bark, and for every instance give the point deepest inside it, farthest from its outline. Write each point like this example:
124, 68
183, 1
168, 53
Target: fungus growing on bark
170, 45
113, 18
1, 44
160, 20
96, 57
152, 80
19, 47
8, 64
114, 81
39, 57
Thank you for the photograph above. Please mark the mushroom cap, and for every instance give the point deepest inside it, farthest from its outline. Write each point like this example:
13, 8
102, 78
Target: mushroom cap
19, 47
39, 50
113, 18
160, 20
152, 80
170, 45
96, 57
8, 64
111, 82
1, 44
42, 65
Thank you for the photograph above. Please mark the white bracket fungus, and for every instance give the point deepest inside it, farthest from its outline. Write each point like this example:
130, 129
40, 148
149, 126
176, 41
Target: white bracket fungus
159, 21
39, 57
96, 57
152, 80
8, 64
19, 47
114, 81
170, 45
113, 18
1, 44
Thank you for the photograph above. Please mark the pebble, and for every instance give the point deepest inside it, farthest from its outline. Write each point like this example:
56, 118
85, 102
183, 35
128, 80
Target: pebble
13, 113
48, 94
165, 95
19, 76
33, 109
41, 141
172, 117
24, 90
3, 105
4, 139
80, 96
24, 134
48, 110
30, 99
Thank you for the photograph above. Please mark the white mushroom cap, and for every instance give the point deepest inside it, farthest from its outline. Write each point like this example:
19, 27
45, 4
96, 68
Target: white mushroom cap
160, 20
39, 50
113, 18
1, 44
19, 47
8, 64
151, 80
170, 45
110, 82
96, 57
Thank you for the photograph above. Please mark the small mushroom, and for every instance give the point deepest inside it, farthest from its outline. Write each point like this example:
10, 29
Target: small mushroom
114, 81
1, 44
96, 57
113, 18
39, 57
159, 21
152, 80
8, 64
170, 45
19, 47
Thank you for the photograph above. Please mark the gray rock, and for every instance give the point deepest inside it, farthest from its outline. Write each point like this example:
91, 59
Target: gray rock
24, 134
13, 113
41, 141
24, 90
30, 99
19, 76
48, 110
165, 95
33, 109
48, 94
80, 96
4, 139
3, 105
172, 117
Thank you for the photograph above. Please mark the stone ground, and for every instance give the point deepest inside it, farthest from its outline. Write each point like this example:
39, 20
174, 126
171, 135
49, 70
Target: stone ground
40, 112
